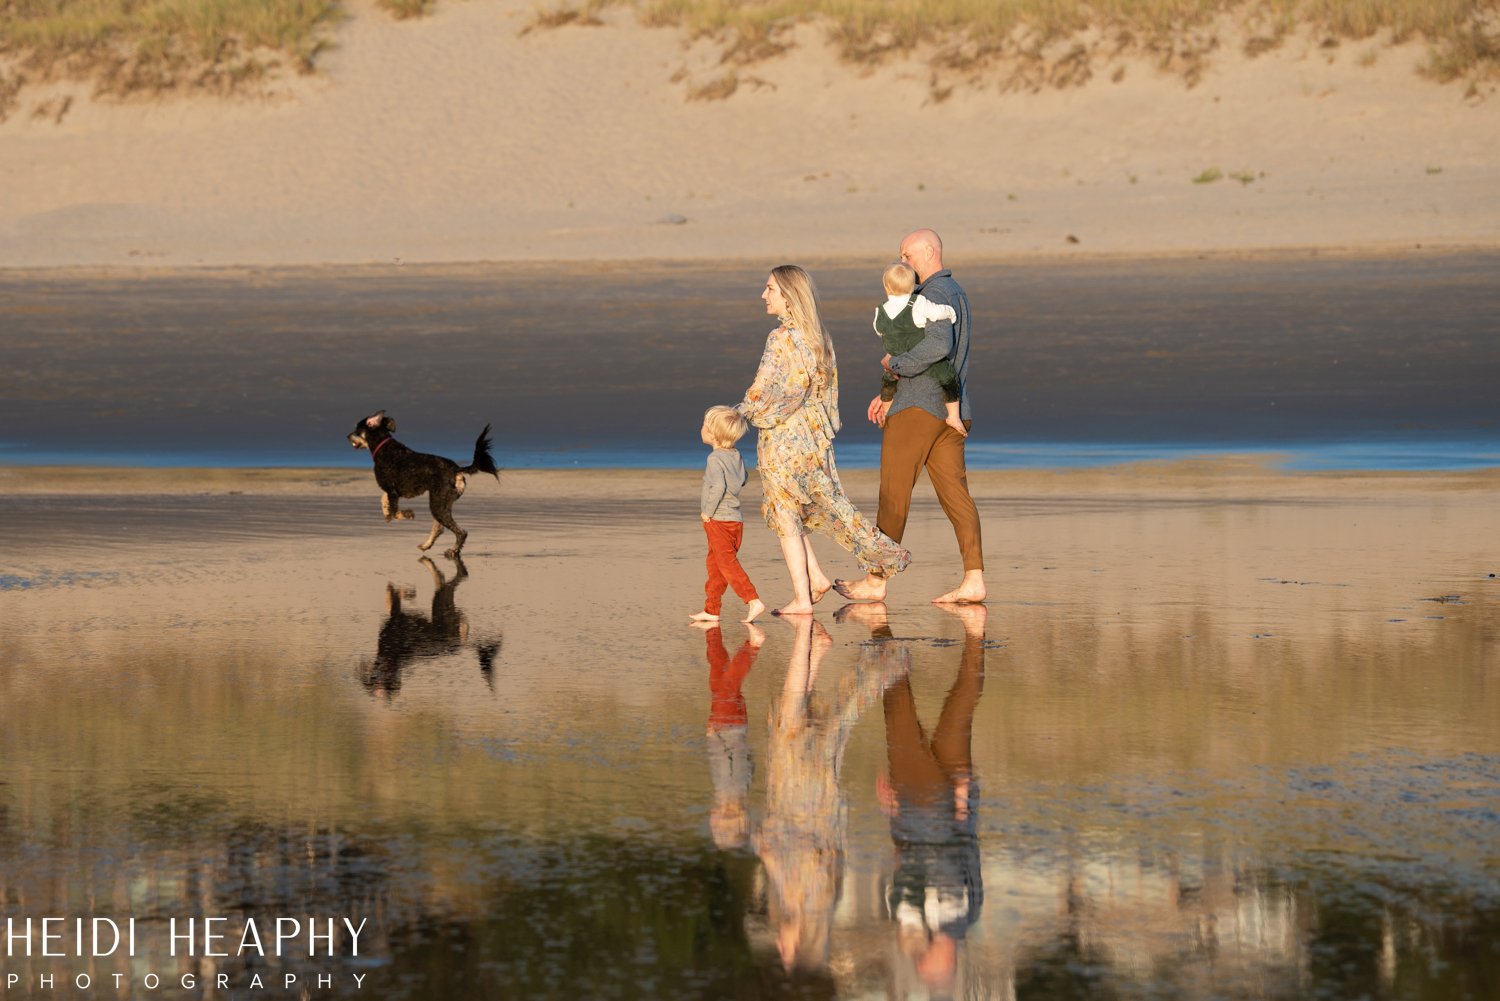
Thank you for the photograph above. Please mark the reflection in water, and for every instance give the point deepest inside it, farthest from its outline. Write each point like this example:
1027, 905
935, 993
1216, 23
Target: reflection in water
932, 798
801, 841
406, 636
729, 757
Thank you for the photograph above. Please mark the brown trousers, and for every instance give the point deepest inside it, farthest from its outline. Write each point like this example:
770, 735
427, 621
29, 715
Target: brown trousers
914, 440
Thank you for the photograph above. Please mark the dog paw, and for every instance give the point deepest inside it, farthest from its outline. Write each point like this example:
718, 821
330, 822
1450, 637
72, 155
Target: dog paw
452, 554
405, 515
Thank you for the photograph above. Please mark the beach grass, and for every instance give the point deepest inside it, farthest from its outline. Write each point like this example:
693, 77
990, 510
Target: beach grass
1037, 43
130, 47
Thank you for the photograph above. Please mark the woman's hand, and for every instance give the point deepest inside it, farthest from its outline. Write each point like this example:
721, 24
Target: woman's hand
877, 410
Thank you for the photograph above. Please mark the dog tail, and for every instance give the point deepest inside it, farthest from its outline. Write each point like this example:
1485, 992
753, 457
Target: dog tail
483, 461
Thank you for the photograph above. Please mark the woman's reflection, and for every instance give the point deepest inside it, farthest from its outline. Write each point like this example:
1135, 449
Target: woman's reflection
728, 734
801, 841
407, 636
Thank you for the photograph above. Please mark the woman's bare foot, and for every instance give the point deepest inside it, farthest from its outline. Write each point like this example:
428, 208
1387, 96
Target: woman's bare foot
753, 609
795, 608
971, 590
703, 617
821, 589
869, 589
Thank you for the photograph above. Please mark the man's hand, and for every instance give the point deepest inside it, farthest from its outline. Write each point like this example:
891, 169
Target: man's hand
877, 410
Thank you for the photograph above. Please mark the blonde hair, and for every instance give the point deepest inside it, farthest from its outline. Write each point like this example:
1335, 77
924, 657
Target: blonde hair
801, 297
899, 279
725, 425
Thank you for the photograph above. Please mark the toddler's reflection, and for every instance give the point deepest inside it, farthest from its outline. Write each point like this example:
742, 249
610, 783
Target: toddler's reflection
728, 735
407, 636
801, 842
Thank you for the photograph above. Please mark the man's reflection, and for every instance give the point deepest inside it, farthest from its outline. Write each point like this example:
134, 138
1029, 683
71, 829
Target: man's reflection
728, 734
407, 636
801, 842
931, 797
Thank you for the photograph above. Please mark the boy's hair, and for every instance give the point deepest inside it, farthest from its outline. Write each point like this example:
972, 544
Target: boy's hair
899, 279
725, 425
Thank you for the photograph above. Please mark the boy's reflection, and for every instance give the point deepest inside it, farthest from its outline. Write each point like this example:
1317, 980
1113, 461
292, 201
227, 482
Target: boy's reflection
931, 797
801, 842
728, 735
407, 636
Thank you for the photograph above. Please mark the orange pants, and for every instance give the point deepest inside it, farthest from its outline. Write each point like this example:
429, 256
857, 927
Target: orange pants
724, 568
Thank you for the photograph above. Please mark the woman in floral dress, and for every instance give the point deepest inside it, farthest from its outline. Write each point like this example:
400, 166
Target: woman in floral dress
795, 403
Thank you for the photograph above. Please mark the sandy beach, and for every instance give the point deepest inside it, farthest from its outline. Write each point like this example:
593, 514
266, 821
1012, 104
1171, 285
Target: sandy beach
456, 137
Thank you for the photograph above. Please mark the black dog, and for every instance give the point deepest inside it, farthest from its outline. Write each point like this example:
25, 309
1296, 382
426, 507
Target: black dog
400, 472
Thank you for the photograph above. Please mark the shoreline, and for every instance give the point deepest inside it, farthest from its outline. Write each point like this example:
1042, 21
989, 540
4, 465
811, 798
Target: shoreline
1244, 474
1381, 251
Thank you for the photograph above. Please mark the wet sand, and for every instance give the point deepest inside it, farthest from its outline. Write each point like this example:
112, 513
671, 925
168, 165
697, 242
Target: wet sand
1235, 738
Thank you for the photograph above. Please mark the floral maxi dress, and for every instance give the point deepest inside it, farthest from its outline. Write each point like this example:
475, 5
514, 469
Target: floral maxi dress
798, 415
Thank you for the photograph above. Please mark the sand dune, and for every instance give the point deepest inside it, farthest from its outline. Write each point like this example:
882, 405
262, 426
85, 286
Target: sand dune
457, 138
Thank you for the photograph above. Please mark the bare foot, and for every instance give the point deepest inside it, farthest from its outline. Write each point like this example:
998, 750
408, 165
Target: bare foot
703, 617
821, 589
795, 608
957, 425
753, 609
869, 589
970, 591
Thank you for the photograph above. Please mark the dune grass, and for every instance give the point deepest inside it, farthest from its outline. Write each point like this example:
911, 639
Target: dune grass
152, 46
1036, 43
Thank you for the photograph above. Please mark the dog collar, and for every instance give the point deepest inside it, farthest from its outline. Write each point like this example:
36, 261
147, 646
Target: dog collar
379, 447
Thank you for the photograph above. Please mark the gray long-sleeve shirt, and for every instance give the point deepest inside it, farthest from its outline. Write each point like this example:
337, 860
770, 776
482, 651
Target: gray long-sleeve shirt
916, 388
723, 476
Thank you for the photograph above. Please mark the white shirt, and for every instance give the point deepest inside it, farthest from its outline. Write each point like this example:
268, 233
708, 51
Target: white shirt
923, 311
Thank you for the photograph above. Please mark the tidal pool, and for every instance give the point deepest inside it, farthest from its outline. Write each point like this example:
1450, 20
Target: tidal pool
1214, 736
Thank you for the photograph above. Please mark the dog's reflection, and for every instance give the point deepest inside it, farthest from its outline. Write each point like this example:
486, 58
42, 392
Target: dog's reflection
407, 636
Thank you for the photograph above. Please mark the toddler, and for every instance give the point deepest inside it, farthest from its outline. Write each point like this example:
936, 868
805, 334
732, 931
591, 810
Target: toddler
719, 506
900, 321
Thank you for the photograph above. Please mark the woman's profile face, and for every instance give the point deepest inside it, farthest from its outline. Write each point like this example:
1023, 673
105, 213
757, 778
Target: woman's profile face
772, 297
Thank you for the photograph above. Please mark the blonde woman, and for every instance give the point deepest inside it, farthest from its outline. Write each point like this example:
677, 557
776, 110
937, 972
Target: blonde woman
794, 401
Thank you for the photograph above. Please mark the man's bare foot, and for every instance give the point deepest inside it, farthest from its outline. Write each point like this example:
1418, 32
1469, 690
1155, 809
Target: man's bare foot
869, 589
753, 609
970, 591
957, 425
703, 617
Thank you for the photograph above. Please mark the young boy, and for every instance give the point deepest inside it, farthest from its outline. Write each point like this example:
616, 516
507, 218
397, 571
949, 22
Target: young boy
900, 321
719, 506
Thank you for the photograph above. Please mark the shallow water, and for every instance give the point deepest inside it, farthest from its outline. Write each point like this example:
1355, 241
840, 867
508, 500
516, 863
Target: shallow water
1325, 361
1199, 745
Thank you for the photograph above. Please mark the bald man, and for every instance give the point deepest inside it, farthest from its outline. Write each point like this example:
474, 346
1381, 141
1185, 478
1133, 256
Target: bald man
915, 435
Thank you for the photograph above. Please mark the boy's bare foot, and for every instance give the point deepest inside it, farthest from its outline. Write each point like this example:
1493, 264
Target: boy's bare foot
703, 617
869, 589
957, 425
753, 609
970, 591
